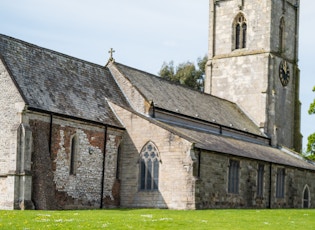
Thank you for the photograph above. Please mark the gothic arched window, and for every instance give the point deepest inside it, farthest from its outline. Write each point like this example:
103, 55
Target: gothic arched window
306, 197
281, 35
149, 167
240, 32
73, 155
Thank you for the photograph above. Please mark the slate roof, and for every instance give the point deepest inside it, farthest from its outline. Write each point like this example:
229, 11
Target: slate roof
176, 98
58, 83
227, 145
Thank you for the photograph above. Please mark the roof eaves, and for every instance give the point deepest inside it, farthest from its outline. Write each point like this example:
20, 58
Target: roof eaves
74, 118
211, 123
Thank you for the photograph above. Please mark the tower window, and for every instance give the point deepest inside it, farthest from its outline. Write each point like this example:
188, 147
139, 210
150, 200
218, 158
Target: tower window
239, 32
149, 167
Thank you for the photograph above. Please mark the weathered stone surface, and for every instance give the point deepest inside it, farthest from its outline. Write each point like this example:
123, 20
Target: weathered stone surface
211, 187
176, 181
250, 76
11, 107
53, 185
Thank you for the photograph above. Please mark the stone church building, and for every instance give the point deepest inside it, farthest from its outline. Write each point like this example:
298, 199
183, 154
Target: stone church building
79, 135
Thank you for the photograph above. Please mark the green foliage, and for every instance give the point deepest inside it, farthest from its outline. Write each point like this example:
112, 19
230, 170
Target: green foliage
312, 106
167, 71
310, 151
311, 146
160, 219
185, 73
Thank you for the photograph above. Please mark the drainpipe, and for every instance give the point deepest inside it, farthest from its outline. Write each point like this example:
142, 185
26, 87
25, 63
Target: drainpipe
199, 162
153, 109
50, 133
103, 171
270, 184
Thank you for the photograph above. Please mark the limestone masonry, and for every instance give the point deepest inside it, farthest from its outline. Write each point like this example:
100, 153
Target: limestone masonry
77, 135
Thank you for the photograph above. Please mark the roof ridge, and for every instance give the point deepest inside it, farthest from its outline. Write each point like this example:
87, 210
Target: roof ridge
31, 45
160, 78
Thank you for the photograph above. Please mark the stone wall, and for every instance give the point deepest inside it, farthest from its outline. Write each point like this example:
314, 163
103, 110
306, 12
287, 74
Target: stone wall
253, 72
11, 107
176, 181
54, 187
132, 94
212, 185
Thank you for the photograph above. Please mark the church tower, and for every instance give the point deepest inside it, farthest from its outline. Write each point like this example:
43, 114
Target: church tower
253, 61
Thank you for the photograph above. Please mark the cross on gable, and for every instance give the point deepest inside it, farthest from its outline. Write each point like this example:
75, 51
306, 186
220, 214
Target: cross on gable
111, 51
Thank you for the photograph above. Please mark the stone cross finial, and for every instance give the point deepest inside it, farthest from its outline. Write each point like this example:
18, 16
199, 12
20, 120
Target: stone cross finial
111, 51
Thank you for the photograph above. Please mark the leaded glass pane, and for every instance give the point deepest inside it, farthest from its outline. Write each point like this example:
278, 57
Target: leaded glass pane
143, 174
237, 36
233, 183
156, 174
244, 28
280, 184
149, 175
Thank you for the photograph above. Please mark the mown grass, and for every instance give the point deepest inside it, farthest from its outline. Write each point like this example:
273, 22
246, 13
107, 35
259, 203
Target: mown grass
159, 219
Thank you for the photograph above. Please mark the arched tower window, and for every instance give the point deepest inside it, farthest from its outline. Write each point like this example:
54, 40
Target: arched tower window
149, 167
73, 155
281, 35
239, 32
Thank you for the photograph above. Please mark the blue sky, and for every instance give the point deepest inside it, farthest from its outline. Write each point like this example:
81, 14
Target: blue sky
144, 33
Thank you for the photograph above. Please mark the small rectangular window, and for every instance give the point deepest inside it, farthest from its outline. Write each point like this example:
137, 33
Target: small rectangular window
260, 180
280, 183
233, 180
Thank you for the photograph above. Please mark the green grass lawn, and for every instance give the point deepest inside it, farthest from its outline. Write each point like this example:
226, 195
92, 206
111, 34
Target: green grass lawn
159, 219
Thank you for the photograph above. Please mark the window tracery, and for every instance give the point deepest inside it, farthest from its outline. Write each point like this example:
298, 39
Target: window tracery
240, 32
149, 167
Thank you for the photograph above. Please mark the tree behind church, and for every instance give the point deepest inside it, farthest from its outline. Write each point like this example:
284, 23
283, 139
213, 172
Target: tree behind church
311, 138
185, 73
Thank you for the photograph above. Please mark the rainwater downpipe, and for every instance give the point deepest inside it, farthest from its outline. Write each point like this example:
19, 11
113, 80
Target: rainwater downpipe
50, 133
199, 162
103, 170
270, 184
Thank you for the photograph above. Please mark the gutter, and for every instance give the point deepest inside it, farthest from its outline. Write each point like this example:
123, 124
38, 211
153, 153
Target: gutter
219, 126
103, 170
270, 184
73, 118
50, 133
